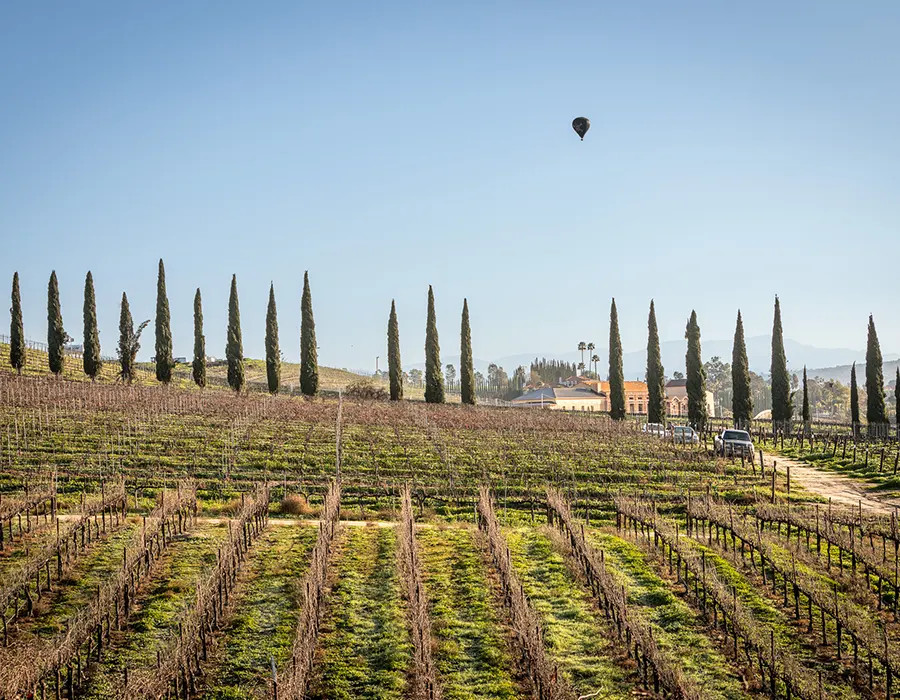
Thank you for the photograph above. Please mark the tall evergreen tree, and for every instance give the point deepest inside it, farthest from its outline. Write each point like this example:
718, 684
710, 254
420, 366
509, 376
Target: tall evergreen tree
273, 352
656, 381
854, 398
129, 341
741, 398
876, 411
126, 332
434, 375
782, 400
616, 374
805, 408
696, 375
395, 369
17, 353
466, 365
56, 334
164, 362
91, 355
234, 349
309, 355
198, 367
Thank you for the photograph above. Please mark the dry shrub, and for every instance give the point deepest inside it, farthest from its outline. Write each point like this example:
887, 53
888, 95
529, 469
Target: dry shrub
295, 504
365, 390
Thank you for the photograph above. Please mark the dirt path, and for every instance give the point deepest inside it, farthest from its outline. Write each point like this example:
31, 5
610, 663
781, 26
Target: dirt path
841, 489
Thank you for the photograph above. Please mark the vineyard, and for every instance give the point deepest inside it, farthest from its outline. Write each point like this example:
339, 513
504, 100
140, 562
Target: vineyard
164, 543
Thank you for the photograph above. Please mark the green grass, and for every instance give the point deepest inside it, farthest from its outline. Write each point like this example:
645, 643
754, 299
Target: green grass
79, 586
471, 653
575, 633
155, 620
677, 629
266, 612
364, 648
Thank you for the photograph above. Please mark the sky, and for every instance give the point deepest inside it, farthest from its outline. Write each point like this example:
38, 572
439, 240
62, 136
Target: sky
736, 151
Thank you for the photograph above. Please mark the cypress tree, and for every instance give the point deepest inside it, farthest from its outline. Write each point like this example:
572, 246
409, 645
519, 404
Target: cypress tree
805, 408
129, 344
656, 382
741, 398
164, 361
126, 332
234, 349
876, 412
395, 370
466, 365
696, 375
782, 400
17, 353
434, 375
273, 353
309, 356
56, 334
854, 398
91, 355
616, 375
198, 367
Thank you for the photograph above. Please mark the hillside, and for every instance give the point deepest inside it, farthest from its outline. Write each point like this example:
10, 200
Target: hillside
330, 379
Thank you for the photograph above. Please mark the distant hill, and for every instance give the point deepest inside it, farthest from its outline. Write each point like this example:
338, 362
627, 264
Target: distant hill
841, 373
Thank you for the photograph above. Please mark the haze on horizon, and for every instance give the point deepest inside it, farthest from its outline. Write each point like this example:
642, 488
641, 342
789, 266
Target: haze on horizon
735, 152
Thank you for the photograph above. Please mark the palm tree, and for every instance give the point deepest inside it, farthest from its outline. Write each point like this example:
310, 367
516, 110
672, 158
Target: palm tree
582, 346
596, 360
581, 367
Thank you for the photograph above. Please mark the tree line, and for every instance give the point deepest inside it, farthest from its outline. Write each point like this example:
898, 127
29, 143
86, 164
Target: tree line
129, 337
782, 391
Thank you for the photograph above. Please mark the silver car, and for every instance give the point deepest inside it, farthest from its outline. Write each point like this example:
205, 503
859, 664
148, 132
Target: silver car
734, 443
685, 435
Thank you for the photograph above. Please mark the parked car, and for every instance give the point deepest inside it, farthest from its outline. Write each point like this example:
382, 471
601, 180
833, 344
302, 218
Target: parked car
657, 429
684, 435
734, 443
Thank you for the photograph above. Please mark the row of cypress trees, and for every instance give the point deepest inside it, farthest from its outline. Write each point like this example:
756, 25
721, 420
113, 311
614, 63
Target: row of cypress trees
129, 337
742, 402
434, 376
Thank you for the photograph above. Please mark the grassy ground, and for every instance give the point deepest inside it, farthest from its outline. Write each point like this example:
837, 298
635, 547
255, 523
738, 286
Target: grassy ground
471, 652
364, 649
265, 614
80, 584
155, 620
676, 627
575, 634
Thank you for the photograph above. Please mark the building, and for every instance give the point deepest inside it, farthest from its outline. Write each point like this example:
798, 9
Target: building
563, 398
636, 395
583, 394
677, 399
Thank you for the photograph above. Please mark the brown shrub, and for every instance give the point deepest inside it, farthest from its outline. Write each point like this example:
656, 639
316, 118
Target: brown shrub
295, 504
365, 390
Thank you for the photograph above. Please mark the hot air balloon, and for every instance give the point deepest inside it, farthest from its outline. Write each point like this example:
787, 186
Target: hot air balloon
581, 126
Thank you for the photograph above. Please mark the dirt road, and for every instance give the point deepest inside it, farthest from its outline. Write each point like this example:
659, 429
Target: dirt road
842, 490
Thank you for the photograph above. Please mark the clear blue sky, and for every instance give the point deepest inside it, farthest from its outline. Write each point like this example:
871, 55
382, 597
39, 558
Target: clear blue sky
736, 150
